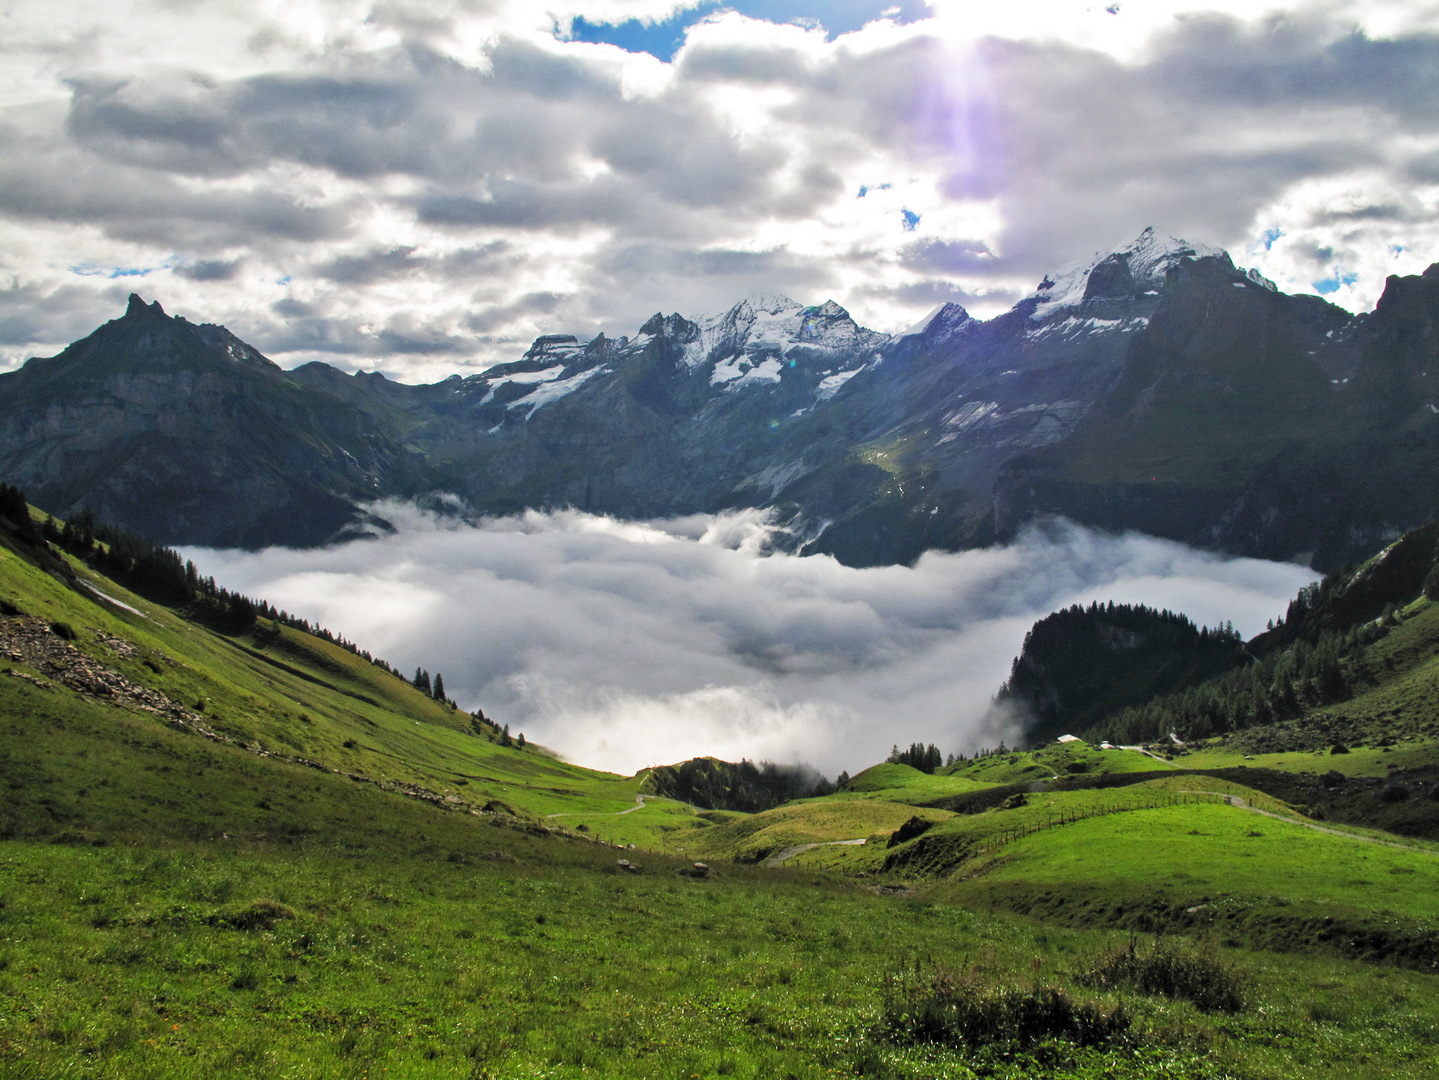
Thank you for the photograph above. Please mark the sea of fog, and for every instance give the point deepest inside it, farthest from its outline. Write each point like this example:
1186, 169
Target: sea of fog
626, 644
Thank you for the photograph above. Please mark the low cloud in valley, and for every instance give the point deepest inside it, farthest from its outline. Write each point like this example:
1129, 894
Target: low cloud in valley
623, 645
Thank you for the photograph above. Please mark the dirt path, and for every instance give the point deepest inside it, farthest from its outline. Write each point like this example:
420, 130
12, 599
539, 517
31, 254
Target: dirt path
1150, 753
639, 805
1235, 800
790, 852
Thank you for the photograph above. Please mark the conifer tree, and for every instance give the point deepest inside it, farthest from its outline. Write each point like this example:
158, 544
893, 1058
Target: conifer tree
440, 687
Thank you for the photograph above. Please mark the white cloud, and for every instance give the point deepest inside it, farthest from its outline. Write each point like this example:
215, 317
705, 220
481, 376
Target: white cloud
625, 644
996, 142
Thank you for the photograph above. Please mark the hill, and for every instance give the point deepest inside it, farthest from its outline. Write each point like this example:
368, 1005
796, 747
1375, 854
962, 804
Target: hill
1330, 709
1082, 664
247, 850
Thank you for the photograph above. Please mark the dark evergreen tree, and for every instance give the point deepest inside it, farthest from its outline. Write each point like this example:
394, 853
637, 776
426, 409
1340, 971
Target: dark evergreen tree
439, 691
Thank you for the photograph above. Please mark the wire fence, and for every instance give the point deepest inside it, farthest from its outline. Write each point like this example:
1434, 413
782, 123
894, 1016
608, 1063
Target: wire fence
1156, 801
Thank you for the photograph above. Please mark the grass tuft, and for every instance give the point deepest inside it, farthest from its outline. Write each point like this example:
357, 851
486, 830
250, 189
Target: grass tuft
950, 1009
1174, 969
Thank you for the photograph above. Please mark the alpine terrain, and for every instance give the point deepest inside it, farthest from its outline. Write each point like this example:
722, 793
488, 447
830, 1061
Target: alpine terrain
1157, 387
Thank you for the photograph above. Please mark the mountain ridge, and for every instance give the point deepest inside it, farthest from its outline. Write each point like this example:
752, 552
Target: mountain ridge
1158, 387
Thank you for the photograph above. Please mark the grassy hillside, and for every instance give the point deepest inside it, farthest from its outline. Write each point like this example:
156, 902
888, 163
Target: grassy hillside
260, 855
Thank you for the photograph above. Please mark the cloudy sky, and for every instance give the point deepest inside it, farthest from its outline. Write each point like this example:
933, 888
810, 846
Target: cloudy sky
628, 644
423, 186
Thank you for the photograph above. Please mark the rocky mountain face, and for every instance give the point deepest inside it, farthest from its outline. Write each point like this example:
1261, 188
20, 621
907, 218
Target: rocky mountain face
1251, 421
187, 434
1158, 387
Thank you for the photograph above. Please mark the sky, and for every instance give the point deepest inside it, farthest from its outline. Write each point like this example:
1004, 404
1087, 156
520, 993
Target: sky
421, 187
629, 644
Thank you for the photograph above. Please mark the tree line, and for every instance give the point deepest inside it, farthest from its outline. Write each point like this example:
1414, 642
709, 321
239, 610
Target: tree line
1319, 667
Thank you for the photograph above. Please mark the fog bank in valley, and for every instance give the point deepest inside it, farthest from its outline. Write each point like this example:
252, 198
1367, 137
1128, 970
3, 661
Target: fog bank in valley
627, 644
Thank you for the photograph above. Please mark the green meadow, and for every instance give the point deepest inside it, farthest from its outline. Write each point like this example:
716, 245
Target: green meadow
319, 871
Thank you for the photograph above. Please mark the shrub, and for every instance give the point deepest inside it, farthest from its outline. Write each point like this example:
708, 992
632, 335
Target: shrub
1176, 970
960, 1011
915, 826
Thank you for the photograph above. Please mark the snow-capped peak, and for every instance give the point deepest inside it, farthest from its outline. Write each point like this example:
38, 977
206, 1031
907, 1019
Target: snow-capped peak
945, 312
1140, 265
766, 323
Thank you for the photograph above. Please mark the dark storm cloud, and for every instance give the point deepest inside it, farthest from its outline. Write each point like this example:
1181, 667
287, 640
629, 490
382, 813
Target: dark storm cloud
370, 267
500, 315
1216, 59
31, 312
1217, 124
942, 256
313, 328
935, 291
210, 269
45, 184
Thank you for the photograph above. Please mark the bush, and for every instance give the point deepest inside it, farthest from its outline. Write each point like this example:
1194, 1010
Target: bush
959, 1011
1176, 970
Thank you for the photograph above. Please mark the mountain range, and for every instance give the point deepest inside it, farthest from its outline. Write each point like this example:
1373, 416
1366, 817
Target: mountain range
1157, 387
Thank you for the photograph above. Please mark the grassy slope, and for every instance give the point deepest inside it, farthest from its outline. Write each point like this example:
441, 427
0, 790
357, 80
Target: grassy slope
405, 939
1055, 761
289, 694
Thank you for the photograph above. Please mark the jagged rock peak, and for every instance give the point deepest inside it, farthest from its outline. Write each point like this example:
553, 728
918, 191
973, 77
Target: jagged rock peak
675, 326
550, 343
137, 308
946, 316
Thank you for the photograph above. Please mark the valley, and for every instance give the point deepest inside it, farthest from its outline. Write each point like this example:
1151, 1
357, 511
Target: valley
252, 851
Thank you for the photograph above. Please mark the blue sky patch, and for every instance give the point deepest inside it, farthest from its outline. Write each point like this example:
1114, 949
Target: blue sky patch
1334, 282
111, 272
663, 39
1268, 236
911, 219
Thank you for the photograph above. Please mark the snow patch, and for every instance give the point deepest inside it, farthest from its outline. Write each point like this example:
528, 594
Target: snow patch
830, 384
543, 375
551, 391
923, 324
1073, 327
